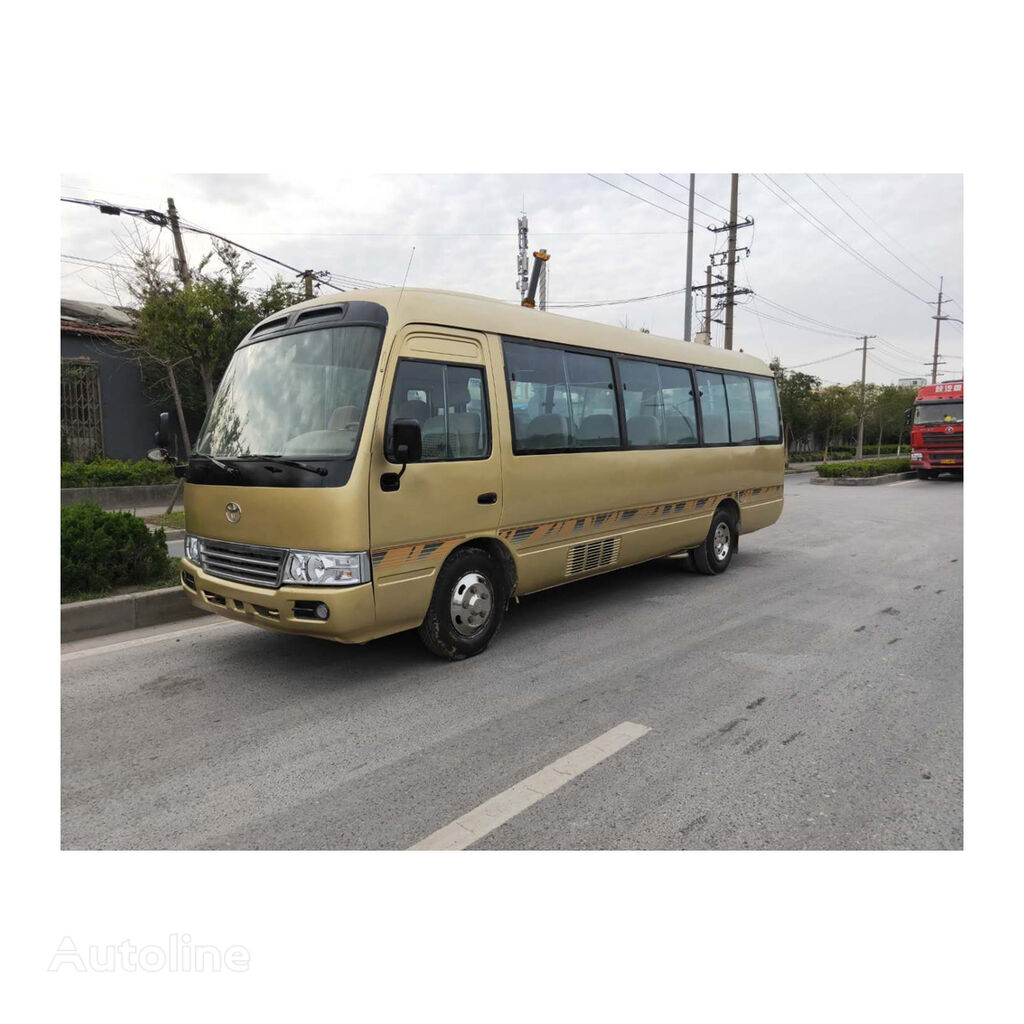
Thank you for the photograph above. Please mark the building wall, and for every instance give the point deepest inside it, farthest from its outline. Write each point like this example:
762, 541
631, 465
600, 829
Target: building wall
129, 421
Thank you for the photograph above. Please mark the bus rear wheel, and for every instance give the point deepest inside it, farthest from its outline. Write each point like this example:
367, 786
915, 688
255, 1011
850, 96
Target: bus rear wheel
467, 607
715, 554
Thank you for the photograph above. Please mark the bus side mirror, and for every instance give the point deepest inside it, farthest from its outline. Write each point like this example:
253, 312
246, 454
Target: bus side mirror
407, 445
906, 417
163, 430
407, 441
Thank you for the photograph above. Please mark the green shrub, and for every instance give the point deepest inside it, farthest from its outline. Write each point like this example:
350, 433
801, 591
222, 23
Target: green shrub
101, 550
876, 467
103, 472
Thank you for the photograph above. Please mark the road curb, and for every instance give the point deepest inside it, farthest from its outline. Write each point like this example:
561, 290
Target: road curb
862, 481
82, 619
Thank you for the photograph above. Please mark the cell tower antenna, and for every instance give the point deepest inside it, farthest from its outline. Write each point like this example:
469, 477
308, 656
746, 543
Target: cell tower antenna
523, 263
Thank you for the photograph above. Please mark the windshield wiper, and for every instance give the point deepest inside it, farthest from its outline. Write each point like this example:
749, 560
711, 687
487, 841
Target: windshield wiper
279, 461
216, 462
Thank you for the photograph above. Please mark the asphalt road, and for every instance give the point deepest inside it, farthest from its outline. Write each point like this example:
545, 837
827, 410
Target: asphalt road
809, 698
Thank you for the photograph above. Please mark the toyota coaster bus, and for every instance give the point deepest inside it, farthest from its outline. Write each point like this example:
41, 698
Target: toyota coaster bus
415, 459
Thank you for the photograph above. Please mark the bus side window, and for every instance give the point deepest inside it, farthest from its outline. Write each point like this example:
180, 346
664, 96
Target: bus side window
713, 409
769, 430
742, 429
642, 399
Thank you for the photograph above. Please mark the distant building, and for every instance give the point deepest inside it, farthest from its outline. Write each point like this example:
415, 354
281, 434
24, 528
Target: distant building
911, 382
103, 405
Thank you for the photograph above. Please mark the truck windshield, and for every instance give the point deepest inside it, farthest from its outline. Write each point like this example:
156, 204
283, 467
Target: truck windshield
939, 412
300, 395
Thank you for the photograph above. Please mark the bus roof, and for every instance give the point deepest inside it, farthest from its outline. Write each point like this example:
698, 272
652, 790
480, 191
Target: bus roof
478, 312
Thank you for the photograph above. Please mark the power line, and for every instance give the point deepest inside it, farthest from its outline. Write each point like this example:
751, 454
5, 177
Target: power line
707, 199
868, 233
641, 198
675, 199
802, 211
814, 362
880, 227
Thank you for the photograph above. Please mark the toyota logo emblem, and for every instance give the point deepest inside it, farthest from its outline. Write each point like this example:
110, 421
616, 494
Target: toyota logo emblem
232, 512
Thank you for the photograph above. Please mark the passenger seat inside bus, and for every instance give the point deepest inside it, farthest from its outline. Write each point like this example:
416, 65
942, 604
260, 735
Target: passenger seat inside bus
549, 430
598, 431
643, 430
465, 437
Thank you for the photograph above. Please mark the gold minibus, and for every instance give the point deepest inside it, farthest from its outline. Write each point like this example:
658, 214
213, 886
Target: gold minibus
410, 459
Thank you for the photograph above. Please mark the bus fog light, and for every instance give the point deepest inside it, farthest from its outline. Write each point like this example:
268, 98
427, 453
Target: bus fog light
322, 611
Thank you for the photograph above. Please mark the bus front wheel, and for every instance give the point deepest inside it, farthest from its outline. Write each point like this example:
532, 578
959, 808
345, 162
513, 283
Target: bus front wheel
715, 554
467, 607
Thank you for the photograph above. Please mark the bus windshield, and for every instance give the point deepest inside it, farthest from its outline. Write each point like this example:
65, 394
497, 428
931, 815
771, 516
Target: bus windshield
303, 394
939, 412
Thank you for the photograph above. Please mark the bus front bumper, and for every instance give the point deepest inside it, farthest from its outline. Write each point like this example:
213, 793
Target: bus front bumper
936, 459
350, 610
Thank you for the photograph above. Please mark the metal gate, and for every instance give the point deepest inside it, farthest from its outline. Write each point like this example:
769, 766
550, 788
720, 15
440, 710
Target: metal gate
81, 416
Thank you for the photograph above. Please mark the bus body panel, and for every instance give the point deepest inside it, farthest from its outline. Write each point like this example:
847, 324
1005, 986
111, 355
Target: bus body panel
560, 516
437, 507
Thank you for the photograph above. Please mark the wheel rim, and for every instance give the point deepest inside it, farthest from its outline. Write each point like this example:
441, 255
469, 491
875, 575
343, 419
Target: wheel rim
722, 541
472, 602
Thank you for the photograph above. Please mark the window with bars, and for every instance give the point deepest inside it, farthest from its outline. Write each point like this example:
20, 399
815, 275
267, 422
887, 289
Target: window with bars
81, 416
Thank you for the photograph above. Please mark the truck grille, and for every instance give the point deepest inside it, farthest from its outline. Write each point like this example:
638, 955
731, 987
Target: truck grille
242, 563
943, 441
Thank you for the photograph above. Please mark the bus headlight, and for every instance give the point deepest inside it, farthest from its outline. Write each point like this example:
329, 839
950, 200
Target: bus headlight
914, 456
326, 568
192, 548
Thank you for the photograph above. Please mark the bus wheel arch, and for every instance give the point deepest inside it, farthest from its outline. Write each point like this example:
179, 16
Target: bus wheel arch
715, 554
501, 554
467, 607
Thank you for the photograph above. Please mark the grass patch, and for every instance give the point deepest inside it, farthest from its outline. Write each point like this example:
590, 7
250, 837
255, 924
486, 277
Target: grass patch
169, 520
876, 467
171, 579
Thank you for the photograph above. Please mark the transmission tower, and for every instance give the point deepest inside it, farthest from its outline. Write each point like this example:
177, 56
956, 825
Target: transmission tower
523, 264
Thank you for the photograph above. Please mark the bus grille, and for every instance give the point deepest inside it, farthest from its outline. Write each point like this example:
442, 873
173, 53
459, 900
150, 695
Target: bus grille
595, 555
242, 563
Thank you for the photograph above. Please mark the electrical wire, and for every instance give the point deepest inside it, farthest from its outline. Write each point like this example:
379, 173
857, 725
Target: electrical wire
706, 199
641, 198
868, 233
797, 207
825, 359
674, 199
881, 227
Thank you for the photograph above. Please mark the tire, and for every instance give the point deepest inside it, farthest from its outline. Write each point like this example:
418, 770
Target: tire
715, 554
469, 585
922, 474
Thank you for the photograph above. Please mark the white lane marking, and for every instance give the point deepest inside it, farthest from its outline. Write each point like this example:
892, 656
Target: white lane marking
491, 814
139, 641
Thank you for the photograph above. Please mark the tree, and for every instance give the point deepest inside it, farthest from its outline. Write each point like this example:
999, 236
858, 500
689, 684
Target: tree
796, 399
835, 411
888, 410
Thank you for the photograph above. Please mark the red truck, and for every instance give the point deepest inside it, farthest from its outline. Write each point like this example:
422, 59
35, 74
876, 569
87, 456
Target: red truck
937, 430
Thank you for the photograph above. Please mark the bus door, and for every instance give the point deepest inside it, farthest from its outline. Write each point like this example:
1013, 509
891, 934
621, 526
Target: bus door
442, 378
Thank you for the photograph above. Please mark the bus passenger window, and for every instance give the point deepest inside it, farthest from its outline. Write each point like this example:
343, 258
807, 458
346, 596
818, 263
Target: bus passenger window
595, 420
677, 401
713, 410
741, 409
642, 401
769, 429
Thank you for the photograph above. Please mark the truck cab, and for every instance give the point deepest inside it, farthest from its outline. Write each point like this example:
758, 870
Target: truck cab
937, 430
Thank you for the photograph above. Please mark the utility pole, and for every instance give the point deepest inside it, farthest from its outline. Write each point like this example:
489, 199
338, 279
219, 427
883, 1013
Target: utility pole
938, 324
180, 264
730, 286
688, 315
542, 288
307, 277
863, 386
707, 308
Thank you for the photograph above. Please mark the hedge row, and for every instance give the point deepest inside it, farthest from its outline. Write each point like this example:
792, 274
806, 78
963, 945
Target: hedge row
842, 452
877, 467
101, 550
113, 473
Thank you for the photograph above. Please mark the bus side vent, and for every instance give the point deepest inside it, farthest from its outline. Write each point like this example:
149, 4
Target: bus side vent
595, 555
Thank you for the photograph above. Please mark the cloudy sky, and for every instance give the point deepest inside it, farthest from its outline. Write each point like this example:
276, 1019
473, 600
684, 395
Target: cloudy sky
831, 256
